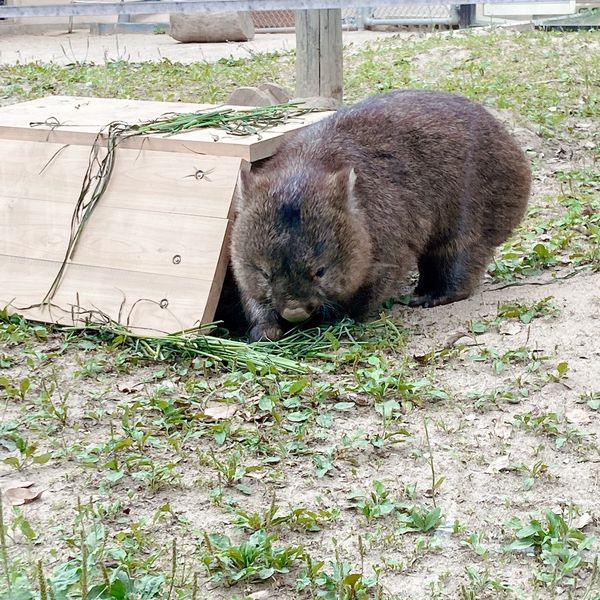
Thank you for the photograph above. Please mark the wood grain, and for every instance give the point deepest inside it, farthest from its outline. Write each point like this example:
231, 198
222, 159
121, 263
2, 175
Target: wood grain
142, 179
81, 119
319, 53
176, 245
134, 299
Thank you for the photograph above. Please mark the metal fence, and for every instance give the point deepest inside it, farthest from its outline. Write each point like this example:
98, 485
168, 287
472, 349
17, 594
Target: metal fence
359, 18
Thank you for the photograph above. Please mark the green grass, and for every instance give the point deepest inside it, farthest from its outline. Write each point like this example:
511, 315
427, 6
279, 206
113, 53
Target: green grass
343, 463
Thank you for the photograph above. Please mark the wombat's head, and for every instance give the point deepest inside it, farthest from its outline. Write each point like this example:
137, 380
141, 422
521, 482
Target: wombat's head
299, 243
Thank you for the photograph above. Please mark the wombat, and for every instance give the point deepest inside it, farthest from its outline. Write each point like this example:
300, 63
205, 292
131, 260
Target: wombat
334, 220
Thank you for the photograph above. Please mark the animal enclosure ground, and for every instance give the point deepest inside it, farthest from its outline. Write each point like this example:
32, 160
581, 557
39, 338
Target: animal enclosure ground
440, 453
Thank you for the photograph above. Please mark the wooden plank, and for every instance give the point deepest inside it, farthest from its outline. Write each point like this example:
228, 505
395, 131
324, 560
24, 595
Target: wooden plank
308, 68
86, 292
331, 54
131, 240
142, 179
81, 119
319, 53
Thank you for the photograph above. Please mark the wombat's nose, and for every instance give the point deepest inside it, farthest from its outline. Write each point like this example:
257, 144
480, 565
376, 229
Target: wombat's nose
295, 315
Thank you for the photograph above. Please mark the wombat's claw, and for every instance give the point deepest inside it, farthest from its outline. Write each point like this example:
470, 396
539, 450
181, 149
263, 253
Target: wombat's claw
429, 301
265, 332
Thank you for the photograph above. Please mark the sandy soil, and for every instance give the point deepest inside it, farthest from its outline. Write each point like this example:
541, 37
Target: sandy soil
483, 437
80, 46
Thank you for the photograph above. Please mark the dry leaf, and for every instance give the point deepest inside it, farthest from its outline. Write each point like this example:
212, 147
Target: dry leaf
218, 410
454, 337
20, 493
17, 484
509, 328
582, 520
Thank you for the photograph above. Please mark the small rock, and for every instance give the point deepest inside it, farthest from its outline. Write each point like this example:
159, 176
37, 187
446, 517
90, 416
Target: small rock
279, 94
251, 96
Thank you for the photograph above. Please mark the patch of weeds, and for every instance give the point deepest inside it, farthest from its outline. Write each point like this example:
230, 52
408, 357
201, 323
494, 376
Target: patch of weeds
560, 547
384, 382
230, 470
254, 559
571, 238
513, 393
24, 452
379, 503
527, 311
417, 518
591, 400
550, 425
91, 368
338, 581
53, 401
14, 390
474, 541
156, 476
374, 504
519, 356
95, 569
298, 517
14, 329
534, 472
558, 373
481, 583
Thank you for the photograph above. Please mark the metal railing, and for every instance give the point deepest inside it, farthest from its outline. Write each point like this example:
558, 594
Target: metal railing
149, 7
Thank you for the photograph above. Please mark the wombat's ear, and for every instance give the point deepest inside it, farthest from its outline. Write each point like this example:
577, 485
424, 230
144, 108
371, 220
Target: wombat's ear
239, 199
344, 181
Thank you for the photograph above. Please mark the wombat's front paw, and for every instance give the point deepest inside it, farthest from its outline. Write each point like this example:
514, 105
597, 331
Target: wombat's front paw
266, 332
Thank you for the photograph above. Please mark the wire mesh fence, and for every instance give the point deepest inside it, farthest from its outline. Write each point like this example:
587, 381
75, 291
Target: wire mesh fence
368, 16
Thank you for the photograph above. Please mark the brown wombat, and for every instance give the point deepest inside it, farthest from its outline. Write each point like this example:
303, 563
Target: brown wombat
332, 222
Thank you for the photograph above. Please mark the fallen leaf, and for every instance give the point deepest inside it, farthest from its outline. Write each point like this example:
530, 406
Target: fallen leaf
454, 337
218, 410
582, 520
21, 493
509, 328
17, 484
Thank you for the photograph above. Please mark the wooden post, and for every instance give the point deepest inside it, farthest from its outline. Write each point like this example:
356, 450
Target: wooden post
319, 53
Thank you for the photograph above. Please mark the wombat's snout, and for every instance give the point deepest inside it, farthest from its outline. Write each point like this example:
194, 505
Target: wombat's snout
296, 312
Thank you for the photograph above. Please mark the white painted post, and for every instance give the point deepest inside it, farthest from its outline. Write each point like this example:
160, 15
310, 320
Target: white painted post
319, 53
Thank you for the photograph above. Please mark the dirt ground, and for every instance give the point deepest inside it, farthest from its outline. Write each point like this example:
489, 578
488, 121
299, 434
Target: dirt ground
487, 408
79, 46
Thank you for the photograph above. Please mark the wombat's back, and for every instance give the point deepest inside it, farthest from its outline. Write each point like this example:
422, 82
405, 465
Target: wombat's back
429, 160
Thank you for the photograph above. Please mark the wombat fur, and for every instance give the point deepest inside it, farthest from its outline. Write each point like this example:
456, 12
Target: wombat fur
333, 221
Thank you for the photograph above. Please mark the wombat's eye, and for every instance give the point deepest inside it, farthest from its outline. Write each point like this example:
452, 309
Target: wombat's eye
263, 273
320, 272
